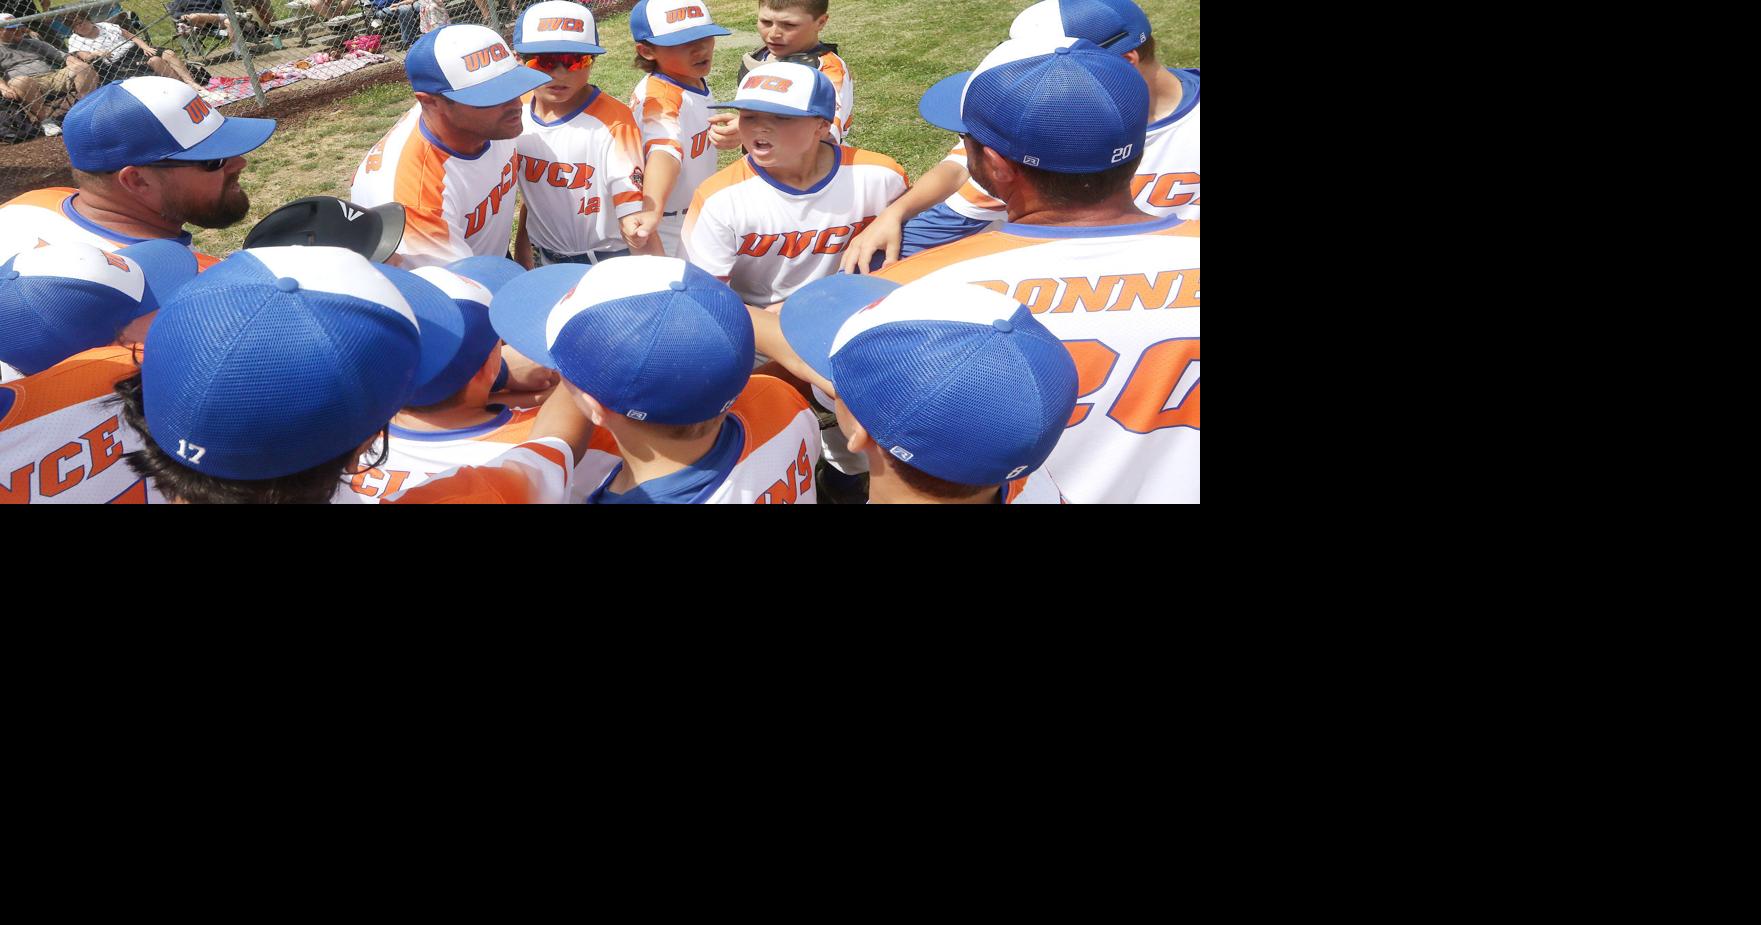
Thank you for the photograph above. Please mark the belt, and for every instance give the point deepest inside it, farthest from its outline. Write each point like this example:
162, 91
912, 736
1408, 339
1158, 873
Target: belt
590, 258
671, 214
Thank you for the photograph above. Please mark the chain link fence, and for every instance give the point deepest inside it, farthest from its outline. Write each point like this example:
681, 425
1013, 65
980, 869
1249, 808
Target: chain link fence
230, 50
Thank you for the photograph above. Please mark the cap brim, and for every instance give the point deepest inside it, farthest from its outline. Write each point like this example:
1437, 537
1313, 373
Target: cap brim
487, 270
812, 316
166, 265
438, 317
521, 311
558, 47
510, 86
940, 105
777, 109
687, 36
391, 231
232, 138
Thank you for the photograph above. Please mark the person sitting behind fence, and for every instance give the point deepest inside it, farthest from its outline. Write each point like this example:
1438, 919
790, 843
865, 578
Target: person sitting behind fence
32, 70
116, 53
194, 15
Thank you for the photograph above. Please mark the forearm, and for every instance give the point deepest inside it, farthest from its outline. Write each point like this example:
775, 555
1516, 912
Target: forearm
942, 180
658, 182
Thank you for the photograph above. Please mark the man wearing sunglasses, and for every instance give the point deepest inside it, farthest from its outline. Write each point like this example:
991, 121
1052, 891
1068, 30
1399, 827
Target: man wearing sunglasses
149, 156
581, 150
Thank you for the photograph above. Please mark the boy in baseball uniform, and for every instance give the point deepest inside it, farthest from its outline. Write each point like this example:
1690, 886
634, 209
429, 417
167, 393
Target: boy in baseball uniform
675, 45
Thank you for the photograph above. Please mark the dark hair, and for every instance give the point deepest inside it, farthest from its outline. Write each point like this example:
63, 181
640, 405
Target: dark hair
1147, 51
646, 64
814, 8
925, 484
1070, 190
178, 482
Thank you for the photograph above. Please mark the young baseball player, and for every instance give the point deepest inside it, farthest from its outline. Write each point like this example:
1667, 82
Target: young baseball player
658, 354
778, 218
675, 45
580, 184
947, 204
71, 319
790, 30
954, 393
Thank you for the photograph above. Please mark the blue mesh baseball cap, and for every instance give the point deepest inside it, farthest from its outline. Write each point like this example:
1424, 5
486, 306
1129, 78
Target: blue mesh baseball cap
786, 89
276, 360
490, 270
651, 338
672, 22
61, 299
1063, 105
557, 26
950, 378
144, 120
471, 65
457, 337
1116, 25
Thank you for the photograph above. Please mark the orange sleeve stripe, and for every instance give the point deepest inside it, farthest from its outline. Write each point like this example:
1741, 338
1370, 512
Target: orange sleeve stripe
929, 261
549, 452
662, 99
622, 198
732, 175
974, 194
860, 157
833, 68
611, 112
49, 198
421, 187
80, 378
766, 408
666, 144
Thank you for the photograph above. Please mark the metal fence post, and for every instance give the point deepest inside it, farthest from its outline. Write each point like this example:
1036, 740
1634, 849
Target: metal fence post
494, 15
243, 49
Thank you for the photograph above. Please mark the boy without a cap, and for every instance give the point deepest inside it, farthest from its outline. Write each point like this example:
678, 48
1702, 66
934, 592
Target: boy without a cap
790, 32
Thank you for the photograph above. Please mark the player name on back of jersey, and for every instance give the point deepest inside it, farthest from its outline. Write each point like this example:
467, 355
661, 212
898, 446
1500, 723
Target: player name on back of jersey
1116, 292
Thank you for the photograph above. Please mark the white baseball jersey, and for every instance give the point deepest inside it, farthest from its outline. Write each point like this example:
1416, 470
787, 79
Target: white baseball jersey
769, 239
416, 456
535, 472
1125, 300
674, 119
47, 216
1167, 182
457, 204
579, 175
62, 436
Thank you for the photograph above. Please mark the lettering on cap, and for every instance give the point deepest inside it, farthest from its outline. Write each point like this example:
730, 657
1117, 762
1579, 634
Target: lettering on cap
117, 262
559, 24
683, 13
198, 109
484, 57
773, 84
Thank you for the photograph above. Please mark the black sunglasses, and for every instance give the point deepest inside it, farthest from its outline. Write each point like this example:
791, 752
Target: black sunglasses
206, 166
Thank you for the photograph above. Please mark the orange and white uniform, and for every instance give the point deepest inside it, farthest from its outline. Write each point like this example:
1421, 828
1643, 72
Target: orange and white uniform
1125, 300
416, 456
535, 472
832, 65
62, 437
457, 204
46, 216
579, 175
674, 119
769, 240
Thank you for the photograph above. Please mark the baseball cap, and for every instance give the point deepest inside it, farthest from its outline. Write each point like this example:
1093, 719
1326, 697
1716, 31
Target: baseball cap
954, 379
1116, 25
1059, 104
786, 89
61, 299
469, 64
456, 334
557, 26
492, 271
652, 338
672, 22
278, 359
143, 120
326, 221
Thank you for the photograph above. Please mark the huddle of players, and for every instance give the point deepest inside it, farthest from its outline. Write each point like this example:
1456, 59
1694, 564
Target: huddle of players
945, 391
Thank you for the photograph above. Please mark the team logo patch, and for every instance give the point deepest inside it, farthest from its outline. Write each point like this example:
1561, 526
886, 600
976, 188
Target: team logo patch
771, 84
117, 262
633, 414
903, 454
559, 24
1030, 161
484, 57
684, 13
197, 109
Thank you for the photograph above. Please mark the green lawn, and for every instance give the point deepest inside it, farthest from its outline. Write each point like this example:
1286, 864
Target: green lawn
896, 49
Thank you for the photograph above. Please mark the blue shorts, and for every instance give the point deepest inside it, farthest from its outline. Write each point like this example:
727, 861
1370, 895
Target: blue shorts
936, 226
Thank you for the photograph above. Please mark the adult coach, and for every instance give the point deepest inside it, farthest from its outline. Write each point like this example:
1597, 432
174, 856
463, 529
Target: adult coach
1119, 287
148, 156
451, 159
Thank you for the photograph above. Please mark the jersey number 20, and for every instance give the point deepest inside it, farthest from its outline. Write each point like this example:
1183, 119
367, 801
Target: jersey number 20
1143, 402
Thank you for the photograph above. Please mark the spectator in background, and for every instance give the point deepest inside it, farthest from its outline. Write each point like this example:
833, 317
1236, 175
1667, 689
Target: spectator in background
407, 17
116, 53
32, 70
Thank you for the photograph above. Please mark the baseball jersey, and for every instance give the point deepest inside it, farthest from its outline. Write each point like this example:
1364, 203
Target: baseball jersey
1167, 181
1034, 488
415, 456
534, 472
769, 239
456, 204
579, 175
1125, 300
46, 216
765, 454
674, 120
835, 69
62, 436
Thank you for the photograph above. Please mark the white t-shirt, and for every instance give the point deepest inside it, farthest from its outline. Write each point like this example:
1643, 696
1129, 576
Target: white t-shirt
579, 175
769, 239
1125, 300
456, 204
109, 41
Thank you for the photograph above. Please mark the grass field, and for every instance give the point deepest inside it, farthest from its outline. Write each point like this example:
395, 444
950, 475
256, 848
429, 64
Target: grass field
896, 50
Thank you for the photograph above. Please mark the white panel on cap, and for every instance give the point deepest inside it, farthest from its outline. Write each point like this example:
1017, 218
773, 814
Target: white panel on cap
658, 10
8, 374
559, 9
1042, 19
455, 286
83, 261
180, 109
457, 47
1017, 49
335, 270
930, 301
614, 279
799, 77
